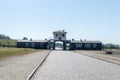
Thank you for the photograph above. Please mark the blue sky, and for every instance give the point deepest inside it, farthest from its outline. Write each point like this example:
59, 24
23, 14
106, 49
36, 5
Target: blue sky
82, 19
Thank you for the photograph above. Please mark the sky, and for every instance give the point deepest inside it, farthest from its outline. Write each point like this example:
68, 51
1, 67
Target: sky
82, 19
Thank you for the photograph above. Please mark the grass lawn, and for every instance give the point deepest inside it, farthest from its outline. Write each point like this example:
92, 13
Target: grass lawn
7, 52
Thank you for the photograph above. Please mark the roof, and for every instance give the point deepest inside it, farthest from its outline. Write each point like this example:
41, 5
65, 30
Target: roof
85, 41
32, 41
59, 31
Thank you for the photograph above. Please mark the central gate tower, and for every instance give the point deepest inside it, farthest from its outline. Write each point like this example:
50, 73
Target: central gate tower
60, 36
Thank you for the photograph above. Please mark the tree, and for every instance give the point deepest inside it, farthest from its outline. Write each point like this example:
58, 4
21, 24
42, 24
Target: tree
2, 36
25, 38
30, 39
45, 38
0, 44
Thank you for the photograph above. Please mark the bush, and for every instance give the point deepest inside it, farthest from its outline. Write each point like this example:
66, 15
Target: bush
109, 52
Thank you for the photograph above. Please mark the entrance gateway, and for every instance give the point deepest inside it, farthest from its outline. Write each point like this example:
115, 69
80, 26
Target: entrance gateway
60, 35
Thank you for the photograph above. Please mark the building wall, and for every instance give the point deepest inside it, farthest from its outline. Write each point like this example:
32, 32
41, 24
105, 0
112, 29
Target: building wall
86, 46
36, 45
59, 36
73, 46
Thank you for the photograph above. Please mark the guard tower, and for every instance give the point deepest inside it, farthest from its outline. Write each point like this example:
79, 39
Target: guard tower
60, 36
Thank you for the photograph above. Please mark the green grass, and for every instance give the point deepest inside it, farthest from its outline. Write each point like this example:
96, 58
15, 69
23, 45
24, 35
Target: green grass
7, 52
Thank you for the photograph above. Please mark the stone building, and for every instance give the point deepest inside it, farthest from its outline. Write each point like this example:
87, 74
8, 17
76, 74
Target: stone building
85, 45
60, 36
37, 44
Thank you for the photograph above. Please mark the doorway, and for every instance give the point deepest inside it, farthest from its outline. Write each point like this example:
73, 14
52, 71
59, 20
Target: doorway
58, 45
67, 46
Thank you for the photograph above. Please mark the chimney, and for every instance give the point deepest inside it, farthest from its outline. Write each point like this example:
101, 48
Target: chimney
81, 40
72, 39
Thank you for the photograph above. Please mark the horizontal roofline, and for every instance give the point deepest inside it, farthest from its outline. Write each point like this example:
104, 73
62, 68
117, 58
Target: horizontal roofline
59, 31
32, 40
86, 42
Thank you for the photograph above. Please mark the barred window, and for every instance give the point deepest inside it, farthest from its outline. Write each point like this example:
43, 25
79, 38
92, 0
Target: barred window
87, 45
63, 35
78, 45
27, 44
33, 44
56, 35
41, 44
94, 45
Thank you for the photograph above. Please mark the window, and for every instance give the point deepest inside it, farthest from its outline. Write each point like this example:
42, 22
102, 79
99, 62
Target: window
78, 45
41, 44
33, 45
56, 35
60, 38
27, 44
63, 35
94, 45
87, 45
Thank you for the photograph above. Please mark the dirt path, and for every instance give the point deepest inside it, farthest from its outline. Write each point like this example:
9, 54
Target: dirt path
19, 67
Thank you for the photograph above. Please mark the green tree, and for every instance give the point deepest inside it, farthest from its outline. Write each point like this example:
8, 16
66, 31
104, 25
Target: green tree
25, 38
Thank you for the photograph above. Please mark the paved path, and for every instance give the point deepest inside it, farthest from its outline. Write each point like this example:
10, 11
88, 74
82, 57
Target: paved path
19, 67
65, 65
101, 55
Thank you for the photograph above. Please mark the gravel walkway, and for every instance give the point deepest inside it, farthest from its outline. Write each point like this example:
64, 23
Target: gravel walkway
19, 67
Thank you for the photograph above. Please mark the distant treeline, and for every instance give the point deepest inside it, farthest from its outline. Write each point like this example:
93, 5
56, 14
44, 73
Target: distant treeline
2, 36
6, 41
111, 46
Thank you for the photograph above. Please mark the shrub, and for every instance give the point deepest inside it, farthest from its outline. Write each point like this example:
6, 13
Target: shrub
109, 52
